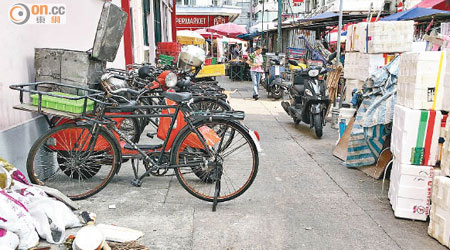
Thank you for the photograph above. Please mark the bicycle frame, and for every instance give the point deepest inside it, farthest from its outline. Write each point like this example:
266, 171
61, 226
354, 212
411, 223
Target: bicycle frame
181, 109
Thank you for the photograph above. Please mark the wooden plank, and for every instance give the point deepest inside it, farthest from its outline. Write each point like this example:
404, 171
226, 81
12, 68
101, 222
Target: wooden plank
340, 151
377, 170
46, 111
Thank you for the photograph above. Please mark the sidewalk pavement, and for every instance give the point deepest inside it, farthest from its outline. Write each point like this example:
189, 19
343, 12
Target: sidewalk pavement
302, 198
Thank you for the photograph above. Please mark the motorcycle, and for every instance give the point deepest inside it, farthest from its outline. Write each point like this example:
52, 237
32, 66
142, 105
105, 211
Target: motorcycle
309, 98
273, 83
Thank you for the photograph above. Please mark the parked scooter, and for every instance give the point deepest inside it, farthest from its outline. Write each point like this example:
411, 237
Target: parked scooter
274, 81
308, 98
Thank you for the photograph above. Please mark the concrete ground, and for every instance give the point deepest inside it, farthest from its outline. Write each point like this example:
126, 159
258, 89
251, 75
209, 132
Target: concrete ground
302, 198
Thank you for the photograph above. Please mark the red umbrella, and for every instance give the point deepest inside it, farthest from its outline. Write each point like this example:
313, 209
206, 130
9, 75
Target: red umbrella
227, 29
435, 4
208, 35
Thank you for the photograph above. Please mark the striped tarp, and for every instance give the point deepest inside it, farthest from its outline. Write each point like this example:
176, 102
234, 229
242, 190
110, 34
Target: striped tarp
374, 116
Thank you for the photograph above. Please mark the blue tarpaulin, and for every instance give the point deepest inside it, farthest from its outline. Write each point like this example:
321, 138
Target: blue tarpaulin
413, 14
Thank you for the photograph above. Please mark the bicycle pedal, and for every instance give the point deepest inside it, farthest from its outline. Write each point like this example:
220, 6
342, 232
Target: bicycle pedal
136, 183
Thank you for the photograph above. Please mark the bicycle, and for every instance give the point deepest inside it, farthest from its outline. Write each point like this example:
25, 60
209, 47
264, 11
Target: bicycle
214, 156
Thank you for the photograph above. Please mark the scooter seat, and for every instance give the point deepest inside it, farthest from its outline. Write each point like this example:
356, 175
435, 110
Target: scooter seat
125, 107
300, 88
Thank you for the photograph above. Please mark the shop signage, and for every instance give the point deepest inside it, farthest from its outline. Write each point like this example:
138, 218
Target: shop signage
199, 21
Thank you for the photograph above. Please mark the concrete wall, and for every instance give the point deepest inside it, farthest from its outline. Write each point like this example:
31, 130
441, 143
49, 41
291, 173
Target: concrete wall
18, 129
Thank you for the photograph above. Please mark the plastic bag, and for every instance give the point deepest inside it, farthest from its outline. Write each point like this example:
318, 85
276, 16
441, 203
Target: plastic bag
46, 215
52, 217
8, 240
14, 217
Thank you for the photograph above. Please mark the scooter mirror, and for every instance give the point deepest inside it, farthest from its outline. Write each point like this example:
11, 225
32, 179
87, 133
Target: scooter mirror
331, 57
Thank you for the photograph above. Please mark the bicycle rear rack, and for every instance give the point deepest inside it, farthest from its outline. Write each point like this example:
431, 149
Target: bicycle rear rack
43, 90
232, 115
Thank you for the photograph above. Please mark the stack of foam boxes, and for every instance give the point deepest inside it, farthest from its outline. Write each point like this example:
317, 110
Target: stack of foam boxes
371, 46
439, 227
422, 84
415, 146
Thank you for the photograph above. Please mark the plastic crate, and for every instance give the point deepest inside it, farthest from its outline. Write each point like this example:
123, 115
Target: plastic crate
208, 61
165, 59
214, 61
169, 47
62, 104
211, 71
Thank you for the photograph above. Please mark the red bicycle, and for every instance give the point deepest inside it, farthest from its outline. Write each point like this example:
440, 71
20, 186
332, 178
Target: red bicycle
214, 156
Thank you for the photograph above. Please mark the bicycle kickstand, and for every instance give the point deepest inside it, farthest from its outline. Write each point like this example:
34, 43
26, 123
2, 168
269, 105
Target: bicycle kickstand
216, 194
137, 182
217, 190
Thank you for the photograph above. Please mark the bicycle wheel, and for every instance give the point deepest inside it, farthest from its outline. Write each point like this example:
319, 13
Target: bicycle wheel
70, 159
234, 166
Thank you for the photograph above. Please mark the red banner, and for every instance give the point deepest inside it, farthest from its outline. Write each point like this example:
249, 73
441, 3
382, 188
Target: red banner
199, 21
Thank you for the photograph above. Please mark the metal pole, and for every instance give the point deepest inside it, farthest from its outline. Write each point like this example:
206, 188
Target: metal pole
262, 26
280, 5
174, 21
338, 55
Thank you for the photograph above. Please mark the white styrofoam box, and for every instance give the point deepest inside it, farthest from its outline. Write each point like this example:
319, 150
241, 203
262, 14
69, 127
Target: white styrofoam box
350, 85
389, 37
360, 66
445, 161
350, 40
380, 37
419, 46
410, 190
405, 134
439, 227
445, 29
357, 5
417, 77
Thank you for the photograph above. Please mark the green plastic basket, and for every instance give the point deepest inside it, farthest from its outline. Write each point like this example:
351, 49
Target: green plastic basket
214, 60
165, 59
63, 104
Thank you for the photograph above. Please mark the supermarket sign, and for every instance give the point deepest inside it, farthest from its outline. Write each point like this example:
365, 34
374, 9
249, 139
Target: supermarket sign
21, 13
199, 21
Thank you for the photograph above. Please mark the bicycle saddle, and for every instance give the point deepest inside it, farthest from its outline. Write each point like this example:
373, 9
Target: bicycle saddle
177, 97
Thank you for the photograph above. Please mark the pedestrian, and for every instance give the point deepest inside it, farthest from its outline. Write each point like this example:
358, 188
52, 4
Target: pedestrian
256, 61
236, 52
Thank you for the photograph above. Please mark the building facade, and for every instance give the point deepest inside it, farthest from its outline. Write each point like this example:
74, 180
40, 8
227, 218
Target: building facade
150, 22
314, 7
247, 16
198, 14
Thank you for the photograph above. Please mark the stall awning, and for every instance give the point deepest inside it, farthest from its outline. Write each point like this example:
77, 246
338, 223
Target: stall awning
414, 13
248, 36
325, 15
